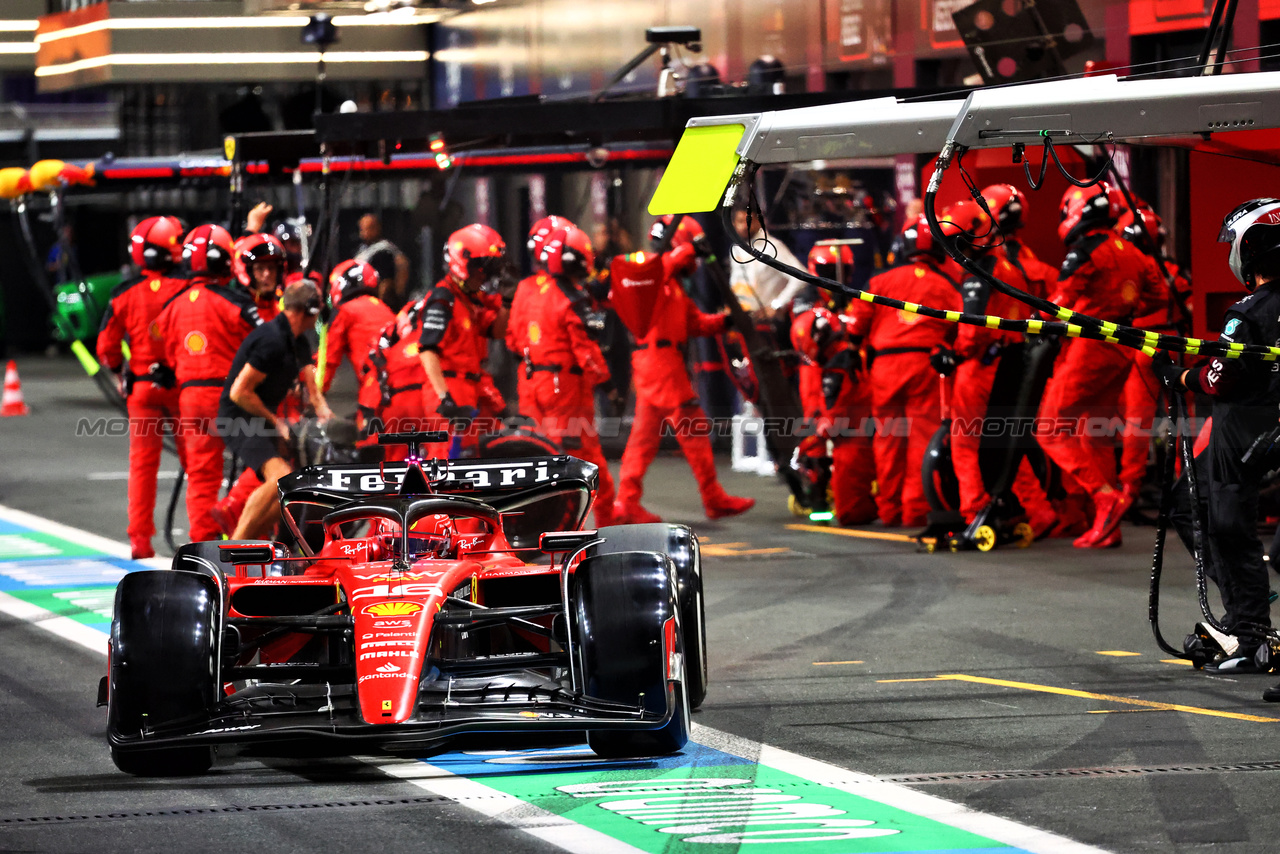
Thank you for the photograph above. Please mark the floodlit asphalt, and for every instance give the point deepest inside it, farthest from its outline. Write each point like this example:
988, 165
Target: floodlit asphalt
827, 645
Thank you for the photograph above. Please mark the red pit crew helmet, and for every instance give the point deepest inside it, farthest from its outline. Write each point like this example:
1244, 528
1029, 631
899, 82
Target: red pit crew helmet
475, 248
813, 333
156, 244
540, 231
1083, 208
207, 250
253, 248
351, 279
567, 251
832, 261
1008, 205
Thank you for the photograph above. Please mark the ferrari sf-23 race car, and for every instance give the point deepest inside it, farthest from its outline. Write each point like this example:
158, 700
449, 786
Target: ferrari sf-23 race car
418, 606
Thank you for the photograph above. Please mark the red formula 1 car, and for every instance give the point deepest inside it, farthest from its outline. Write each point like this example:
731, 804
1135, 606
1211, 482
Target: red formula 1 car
420, 613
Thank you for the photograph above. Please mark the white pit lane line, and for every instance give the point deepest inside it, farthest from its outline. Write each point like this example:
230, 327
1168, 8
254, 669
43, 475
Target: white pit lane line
556, 830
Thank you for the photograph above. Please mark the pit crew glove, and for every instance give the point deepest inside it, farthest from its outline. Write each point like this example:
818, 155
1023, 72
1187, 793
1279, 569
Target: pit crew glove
1168, 372
452, 411
944, 360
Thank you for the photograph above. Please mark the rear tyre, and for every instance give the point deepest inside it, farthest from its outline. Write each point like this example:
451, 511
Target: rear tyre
680, 544
164, 666
622, 603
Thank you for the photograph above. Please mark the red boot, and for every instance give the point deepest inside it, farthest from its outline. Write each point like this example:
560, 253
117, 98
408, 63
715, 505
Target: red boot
727, 505
1110, 508
142, 549
226, 513
632, 514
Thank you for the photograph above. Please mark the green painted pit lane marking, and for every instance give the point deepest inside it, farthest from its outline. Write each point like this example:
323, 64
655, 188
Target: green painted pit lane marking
714, 802
32, 544
91, 606
699, 170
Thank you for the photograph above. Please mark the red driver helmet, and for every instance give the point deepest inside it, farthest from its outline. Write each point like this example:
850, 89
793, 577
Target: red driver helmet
253, 248
1086, 208
813, 333
156, 244
351, 279
970, 222
567, 251
207, 251
1008, 205
538, 234
475, 248
832, 261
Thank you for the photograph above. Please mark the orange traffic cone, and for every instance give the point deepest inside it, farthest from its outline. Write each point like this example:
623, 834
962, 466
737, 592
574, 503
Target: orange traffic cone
12, 403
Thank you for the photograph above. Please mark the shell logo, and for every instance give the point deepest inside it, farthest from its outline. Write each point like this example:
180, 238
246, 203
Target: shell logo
907, 318
466, 324
154, 329
392, 609
535, 332
195, 294
195, 343
411, 349
155, 285
919, 272
1129, 291
1119, 245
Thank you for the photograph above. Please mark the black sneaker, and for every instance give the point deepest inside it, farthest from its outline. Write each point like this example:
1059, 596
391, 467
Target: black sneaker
1272, 694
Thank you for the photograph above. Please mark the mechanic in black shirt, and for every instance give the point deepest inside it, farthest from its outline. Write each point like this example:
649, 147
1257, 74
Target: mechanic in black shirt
270, 360
1246, 405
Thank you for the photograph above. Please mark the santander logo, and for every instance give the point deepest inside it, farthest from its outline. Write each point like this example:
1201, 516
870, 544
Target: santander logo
388, 668
636, 283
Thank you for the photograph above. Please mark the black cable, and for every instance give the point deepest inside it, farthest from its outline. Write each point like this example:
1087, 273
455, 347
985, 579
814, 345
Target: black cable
1088, 182
172, 511
1162, 526
1044, 165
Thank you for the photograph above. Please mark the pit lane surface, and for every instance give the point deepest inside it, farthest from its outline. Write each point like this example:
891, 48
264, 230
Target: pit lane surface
1023, 684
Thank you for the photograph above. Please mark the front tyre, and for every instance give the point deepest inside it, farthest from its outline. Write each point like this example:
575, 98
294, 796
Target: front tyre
623, 605
164, 666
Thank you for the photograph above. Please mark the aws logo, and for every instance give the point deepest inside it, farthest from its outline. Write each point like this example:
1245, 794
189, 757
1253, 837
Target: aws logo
392, 609
196, 343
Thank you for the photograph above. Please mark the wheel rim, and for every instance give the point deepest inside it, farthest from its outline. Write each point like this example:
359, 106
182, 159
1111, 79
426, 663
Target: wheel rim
985, 538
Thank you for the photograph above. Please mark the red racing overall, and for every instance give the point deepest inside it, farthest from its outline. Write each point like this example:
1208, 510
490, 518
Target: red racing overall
904, 387
152, 401
202, 327
978, 350
1106, 277
558, 367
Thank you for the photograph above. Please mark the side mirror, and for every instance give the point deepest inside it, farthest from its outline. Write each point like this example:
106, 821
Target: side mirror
552, 542
246, 555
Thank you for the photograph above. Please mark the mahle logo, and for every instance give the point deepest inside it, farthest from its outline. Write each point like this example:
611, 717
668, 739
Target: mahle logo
392, 609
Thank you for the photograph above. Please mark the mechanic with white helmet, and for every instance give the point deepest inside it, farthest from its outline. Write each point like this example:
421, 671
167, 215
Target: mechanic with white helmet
1245, 394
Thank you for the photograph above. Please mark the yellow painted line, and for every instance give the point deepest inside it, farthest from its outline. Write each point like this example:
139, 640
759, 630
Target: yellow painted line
853, 532
925, 679
1109, 698
1118, 653
1175, 661
826, 663
1123, 711
725, 551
